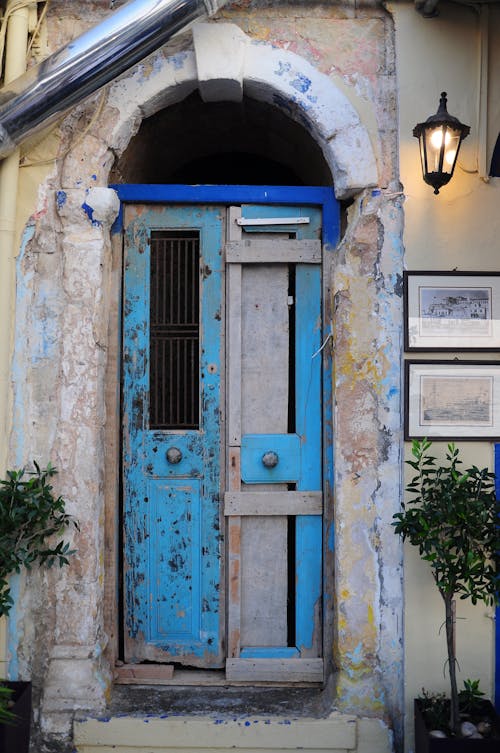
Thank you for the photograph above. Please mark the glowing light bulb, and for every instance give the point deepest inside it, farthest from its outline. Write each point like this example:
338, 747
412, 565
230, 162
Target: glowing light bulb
437, 138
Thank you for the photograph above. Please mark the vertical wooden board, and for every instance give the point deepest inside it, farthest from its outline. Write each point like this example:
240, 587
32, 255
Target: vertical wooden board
234, 355
264, 581
233, 411
308, 405
264, 357
265, 346
234, 586
112, 457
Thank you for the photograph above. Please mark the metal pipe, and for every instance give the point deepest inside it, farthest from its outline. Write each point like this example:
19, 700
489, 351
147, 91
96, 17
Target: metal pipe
87, 63
15, 65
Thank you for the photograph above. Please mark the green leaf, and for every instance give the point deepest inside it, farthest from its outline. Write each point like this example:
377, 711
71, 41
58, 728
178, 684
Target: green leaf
32, 519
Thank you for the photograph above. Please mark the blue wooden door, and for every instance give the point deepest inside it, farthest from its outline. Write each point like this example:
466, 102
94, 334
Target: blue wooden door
222, 439
172, 434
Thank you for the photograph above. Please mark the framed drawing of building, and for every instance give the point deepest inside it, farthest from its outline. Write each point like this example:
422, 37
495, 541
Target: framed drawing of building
449, 400
450, 311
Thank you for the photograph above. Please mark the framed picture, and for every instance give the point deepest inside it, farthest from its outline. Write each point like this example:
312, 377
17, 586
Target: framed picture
449, 311
452, 399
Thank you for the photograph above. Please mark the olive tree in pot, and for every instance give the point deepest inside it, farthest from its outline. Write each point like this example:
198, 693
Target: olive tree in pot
32, 518
452, 517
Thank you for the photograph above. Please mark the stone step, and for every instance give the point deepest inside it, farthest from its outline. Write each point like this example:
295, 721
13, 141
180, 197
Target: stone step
337, 733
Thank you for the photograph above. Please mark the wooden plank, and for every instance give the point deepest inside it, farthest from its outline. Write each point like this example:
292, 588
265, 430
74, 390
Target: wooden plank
264, 355
264, 406
233, 328
141, 673
267, 251
234, 589
264, 547
273, 503
234, 354
308, 531
306, 670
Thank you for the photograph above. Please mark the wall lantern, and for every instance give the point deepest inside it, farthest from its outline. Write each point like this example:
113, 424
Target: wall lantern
440, 138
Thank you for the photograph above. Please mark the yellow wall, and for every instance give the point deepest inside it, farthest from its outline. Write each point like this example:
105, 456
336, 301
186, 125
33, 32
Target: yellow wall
460, 229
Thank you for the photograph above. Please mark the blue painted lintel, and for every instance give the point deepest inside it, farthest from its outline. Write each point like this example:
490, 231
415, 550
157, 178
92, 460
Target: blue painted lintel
152, 193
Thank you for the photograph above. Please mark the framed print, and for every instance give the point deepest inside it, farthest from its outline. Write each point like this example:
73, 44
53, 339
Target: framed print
449, 400
449, 311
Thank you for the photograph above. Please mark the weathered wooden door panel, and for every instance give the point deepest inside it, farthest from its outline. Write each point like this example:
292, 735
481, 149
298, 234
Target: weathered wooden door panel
177, 411
172, 434
275, 557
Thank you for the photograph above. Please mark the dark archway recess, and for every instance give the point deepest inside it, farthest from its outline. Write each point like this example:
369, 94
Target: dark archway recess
246, 143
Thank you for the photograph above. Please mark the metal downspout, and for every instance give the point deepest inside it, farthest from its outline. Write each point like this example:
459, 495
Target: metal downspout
89, 62
15, 65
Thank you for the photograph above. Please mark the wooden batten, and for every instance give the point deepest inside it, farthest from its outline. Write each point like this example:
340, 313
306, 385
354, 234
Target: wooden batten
281, 670
273, 503
274, 252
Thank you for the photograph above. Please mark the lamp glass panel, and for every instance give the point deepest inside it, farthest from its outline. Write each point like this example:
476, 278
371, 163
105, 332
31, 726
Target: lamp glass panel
434, 138
451, 148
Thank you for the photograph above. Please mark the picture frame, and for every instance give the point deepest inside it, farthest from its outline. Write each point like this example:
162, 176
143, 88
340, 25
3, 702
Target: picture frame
449, 400
451, 311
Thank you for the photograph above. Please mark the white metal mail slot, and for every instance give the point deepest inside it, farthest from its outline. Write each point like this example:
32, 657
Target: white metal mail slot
272, 221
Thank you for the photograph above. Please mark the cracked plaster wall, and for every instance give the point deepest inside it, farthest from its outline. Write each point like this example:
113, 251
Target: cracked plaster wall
64, 273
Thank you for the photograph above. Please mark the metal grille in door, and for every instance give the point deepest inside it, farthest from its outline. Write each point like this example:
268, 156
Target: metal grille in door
174, 330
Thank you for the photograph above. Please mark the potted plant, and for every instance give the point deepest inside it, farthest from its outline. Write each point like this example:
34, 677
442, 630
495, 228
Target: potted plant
452, 517
32, 518
15, 716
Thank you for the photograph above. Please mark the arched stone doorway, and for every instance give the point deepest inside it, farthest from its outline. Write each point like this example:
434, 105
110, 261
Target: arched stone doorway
245, 143
324, 139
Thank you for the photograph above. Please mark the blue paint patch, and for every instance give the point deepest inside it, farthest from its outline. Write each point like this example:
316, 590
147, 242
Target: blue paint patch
393, 392
61, 199
356, 658
282, 69
301, 83
178, 60
89, 211
94, 177
247, 724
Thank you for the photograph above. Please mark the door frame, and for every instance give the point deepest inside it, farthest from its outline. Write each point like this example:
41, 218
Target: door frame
323, 198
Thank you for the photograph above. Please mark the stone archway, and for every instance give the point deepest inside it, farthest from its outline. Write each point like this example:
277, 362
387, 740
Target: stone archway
82, 285
224, 64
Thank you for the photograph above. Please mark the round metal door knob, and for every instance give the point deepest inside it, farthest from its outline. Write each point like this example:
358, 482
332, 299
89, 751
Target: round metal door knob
270, 459
174, 455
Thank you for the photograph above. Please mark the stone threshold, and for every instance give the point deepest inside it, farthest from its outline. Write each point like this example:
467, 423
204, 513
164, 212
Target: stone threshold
337, 733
